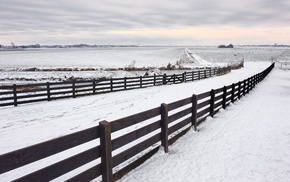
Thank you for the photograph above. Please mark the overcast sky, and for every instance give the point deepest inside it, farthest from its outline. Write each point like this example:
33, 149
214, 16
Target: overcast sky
145, 22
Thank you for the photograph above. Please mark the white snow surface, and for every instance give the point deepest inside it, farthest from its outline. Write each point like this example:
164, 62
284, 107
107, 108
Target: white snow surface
249, 141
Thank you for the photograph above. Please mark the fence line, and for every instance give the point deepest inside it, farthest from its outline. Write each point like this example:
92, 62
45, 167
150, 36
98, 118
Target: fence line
29, 93
118, 152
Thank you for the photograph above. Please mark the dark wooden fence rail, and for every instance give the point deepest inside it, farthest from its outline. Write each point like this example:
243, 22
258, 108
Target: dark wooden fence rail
123, 144
29, 93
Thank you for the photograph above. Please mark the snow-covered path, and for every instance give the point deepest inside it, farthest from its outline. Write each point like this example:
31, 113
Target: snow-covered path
25, 125
250, 141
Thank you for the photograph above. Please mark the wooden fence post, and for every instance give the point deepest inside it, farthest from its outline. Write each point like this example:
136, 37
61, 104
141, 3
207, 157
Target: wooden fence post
154, 79
125, 83
224, 97
244, 88
192, 79
141, 83
204, 74
248, 85
74, 89
111, 83
94, 86
233, 93
48, 91
15, 94
194, 111
199, 74
164, 127
212, 97
184, 77
174, 76
106, 151
239, 91
164, 79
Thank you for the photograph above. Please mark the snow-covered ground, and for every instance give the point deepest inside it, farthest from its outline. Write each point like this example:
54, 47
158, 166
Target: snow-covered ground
26, 125
249, 141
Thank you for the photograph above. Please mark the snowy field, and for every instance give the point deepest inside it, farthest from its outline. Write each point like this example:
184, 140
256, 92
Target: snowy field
260, 136
12, 63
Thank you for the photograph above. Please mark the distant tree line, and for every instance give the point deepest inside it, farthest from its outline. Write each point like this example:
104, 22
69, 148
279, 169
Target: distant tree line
224, 46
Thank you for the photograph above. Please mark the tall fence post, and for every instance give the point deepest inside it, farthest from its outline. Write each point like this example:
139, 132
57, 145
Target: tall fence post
192, 74
244, 88
212, 97
111, 84
48, 91
154, 82
204, 74
106, 151
74, 89
141, 82
184, 77
164, 79
224, 97
174, 76
199, 74
164, 127
14, 94
125, 83
233, 93
239, 91
194, 111
94, 86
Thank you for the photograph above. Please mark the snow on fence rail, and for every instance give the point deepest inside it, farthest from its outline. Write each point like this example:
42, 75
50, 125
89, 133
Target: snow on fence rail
121, 145
22, 94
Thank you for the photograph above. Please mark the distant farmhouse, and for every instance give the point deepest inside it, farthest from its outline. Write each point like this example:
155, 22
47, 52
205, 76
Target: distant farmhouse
224, 46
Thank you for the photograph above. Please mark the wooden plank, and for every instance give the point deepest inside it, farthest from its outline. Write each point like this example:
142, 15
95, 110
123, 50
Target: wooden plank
179, 114
6, 93
134, 119
21, 157
129, 137
60, 93
177, 136
119, 174
202, 112
179, 103
32, 90
127, 154
6, 98
7, 104
31, 96
62, 167
179, 125
203, 95
203, 104
31, 85
218, 97
61, 88
31, 101
219, 90
87, 175
218, 104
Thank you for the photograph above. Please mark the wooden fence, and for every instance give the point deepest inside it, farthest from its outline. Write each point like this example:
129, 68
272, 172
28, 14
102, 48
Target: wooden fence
29, 93
121, 145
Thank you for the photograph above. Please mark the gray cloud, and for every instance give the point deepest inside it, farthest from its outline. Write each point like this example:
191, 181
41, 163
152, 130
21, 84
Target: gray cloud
52, 18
